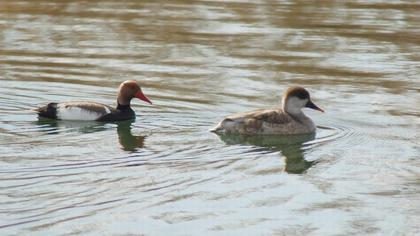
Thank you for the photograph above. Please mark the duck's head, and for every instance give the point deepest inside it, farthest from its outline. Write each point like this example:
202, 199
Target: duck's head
128, 90
295, 98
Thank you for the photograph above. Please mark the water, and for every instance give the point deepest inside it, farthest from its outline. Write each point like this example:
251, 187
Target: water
198, 61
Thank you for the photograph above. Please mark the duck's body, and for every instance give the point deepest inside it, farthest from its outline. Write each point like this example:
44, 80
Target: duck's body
286, 120
85, 111
92, 111
265, 121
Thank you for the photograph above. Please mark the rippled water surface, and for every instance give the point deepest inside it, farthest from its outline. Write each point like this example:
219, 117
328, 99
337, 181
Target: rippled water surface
198, 61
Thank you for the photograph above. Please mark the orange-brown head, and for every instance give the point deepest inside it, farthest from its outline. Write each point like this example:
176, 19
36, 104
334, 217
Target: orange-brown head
128, 90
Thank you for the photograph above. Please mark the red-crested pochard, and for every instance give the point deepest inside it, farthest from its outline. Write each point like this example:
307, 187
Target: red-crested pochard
289, 119
96, 111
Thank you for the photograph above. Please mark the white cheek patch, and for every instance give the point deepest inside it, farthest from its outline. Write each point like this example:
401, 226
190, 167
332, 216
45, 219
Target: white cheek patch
294, 105
76, 113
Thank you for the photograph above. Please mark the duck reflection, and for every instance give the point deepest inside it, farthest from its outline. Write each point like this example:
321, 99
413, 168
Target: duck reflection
290, 146
57, 126
127, 141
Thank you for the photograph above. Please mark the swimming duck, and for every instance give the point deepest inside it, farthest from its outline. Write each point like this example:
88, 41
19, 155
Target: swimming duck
96, 111
289, 119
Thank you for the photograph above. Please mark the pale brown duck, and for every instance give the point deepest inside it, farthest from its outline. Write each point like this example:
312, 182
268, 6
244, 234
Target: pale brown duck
289, 119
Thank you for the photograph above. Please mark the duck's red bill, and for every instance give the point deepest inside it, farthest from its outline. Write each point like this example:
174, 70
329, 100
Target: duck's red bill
143, 97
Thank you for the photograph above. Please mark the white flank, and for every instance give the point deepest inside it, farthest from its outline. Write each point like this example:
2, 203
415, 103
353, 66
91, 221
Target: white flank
76, 113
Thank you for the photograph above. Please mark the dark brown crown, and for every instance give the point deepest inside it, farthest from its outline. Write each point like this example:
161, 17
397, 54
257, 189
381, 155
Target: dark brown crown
297, 91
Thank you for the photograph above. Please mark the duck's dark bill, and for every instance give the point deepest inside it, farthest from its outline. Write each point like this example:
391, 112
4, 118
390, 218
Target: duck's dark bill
311, 105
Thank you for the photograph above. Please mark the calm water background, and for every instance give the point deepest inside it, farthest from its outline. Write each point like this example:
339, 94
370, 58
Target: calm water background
199, 61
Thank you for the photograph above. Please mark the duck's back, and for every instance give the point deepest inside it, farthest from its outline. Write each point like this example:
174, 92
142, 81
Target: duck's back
264, 121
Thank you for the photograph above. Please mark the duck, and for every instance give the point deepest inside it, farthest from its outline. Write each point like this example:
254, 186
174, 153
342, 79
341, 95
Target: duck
93, 111
285, 120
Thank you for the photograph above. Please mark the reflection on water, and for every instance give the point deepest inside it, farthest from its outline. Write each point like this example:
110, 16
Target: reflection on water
127, 140
58, 126
290, 147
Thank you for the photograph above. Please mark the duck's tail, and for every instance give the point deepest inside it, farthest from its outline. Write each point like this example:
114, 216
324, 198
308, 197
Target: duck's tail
48, 111
219, 129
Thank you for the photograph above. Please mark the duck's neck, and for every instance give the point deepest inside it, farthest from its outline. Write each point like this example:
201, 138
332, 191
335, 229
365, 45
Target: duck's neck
123, 103
293, 111
123, 107
290, 108
123, 100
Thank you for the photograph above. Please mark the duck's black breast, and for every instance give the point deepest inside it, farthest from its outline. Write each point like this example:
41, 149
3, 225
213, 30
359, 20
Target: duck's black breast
120, 113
